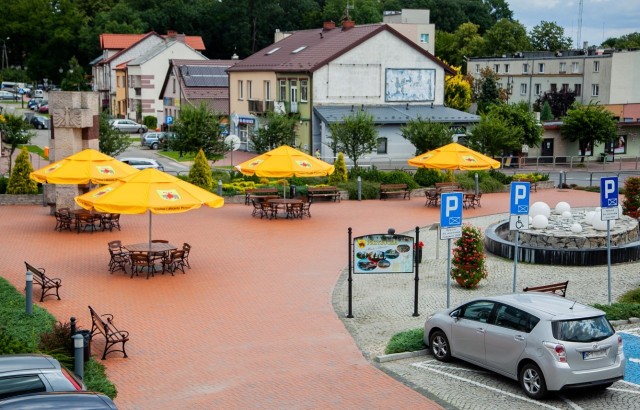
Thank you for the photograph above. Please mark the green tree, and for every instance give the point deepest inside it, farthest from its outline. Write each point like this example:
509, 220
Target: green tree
506, 37
588, 125
545, 113
493, 136
14, 130
426, 135
549, 36
340, 173
520, 118
457, 91
627, 41
559, 101
455, 47
19, 181
198, 128
279, 130
112, 142
200, 173
355, 136
489, 92
74, 79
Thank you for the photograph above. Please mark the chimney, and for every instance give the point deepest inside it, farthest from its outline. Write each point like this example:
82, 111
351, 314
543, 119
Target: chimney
171, 33
328, 25
348, 24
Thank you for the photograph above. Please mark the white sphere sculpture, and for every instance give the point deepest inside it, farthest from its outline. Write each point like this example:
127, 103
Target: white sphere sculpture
576, 228
599, 224
530, 220
540, 208
566, 214
540, 222
561, 207
588, 217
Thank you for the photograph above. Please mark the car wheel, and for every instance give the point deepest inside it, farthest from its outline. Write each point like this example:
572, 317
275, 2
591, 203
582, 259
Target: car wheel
40, 126
440, 346
154, 145
532, 381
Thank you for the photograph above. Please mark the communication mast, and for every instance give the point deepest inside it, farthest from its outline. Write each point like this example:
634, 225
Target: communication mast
349, 7
579, 39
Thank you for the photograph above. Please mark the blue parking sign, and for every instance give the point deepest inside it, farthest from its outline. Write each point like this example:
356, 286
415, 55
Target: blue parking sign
169, 120
608, 192
451, 210
520, 198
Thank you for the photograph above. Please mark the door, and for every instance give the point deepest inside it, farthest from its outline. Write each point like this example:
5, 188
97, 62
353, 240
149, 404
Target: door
468, 331
506, 338
546, 150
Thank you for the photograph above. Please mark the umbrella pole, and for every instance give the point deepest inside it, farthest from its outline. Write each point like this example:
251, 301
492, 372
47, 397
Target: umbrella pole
150, 227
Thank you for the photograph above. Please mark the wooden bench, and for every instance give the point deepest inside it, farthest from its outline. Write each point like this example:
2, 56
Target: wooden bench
559, 287
250, 194
49, 285
533, 186
447, 186
112, 335
387, 190
330, 192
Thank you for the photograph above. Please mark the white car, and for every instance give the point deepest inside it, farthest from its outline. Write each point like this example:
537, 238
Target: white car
143, 163
125, 125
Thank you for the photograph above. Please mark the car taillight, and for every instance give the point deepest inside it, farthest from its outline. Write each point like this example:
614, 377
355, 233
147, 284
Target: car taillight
557, 351
72, 379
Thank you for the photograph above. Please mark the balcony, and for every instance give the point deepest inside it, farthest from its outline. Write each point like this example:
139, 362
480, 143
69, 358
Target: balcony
260, 107
291, 107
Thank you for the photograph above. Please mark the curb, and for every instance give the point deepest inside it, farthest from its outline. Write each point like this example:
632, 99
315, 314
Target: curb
397, 356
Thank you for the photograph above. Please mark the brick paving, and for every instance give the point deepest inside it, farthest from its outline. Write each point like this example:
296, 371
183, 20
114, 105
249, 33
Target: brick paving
252, 324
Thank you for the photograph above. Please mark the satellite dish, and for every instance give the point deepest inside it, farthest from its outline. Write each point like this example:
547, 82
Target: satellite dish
233, 141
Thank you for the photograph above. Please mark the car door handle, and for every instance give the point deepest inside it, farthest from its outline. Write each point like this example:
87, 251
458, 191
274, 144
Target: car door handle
480, 330
519, 338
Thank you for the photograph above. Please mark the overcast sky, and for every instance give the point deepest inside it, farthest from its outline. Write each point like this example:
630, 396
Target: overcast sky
601, 19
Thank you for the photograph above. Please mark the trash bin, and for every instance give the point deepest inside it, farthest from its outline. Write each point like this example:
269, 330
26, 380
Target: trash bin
46, 152
292, 191
86, 335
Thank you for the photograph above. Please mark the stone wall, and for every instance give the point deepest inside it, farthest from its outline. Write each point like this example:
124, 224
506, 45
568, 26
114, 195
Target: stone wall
6, 199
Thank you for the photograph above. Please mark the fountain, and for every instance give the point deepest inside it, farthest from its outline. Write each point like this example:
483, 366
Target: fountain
566, 236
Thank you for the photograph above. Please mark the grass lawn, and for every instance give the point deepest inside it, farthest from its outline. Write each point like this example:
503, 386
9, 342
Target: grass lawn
175, 155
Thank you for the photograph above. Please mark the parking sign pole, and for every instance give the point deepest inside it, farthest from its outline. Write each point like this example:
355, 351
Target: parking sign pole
448, 273
609, 259
515, 260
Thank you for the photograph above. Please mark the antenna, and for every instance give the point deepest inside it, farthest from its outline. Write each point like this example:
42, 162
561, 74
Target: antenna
349, 7
574, 302
578, 42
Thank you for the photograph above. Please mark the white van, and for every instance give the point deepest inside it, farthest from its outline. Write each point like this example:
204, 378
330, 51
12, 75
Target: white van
38, 94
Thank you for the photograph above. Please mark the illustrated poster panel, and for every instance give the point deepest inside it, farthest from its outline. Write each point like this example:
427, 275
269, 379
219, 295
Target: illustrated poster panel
411, 84
383, 254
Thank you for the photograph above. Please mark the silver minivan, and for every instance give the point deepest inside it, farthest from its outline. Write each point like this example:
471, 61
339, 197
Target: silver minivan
546, 342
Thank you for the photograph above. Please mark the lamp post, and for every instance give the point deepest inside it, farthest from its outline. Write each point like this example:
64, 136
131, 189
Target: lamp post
509, 87
5, 56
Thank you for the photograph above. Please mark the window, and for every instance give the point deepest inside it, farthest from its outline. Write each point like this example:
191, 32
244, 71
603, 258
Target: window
283, 91
293, 87
240, 90
267, 90
563, 67
496, 68
506, 68
537, 89
16, 385
478, 311
249, 89
173, 82
299, 49
541, 68
554, 88
516, 319
304, 90
272, 51
587, 330
523, 89
477, 68
525, 68
578, 89
575, 67
596, 66
382, 145
424, 38
565, 88
595, 90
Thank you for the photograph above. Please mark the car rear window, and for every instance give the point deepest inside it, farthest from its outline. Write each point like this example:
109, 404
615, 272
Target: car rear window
15, 385
590, 329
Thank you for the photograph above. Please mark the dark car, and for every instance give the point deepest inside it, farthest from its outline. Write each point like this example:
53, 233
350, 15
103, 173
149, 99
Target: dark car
39, 122
34, 373
33, 103
86, 400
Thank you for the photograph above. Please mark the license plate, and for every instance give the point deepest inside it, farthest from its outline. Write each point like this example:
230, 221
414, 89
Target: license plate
594, 354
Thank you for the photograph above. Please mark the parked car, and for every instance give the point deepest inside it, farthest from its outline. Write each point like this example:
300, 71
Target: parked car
40, 104
125, 125
143, 163
39, 122
59, 400
7, 95
544, 341
33, 103
34, 373
43, 108
155, 139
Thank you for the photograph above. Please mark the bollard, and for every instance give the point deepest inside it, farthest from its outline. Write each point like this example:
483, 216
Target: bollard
29, 293
72, 323
391, 231
477, 184
359, 188
561, 185
219, 187
78, 344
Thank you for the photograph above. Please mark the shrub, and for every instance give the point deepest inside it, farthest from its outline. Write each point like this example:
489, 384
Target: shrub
399, 177
370, 190
407, 341
632, 296
500, 176
620, 311
366, 174
3, 184
57, 340
468, 258
11, 345
96, 379
428, 177
200, 173
631, 201
340, 173
150, 121
19, 181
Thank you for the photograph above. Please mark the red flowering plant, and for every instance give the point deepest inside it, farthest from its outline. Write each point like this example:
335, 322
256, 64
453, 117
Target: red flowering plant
468, 258
631, 203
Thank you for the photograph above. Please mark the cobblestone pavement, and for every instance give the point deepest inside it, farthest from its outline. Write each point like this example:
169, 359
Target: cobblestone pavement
383, 306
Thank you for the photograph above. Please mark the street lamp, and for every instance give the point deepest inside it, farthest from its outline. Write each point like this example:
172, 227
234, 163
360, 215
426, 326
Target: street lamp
5, 56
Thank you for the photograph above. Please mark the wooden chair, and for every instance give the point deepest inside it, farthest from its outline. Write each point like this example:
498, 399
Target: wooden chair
120, 258
294, 210
63, 221
175, 261
269, 210
110, 221
159, 258
186, 248
86, 222
257, 208
140, 261
306, 209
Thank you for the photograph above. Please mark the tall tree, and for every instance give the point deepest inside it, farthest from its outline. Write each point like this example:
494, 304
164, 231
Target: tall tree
457, 91
520, 118
454, 48
549, 36
494, 136
19, 181
198, 128
588, 125
559, 101
506, 37
14, 129
112, 141
279, 130
200, 173
355, 136
488, 93
74, 79
426, 135
631, 40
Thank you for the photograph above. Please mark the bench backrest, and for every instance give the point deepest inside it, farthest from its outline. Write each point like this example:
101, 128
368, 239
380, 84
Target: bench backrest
552, 288
392, 186
262, 191
39, 275
321, 188
446, 184
98, 322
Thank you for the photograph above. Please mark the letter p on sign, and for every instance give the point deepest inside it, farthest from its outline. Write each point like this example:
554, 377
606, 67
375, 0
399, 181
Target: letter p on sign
451, 205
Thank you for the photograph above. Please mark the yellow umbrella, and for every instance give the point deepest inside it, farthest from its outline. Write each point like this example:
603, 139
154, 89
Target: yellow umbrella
148, 190
83, 167
454, 156
285, 162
